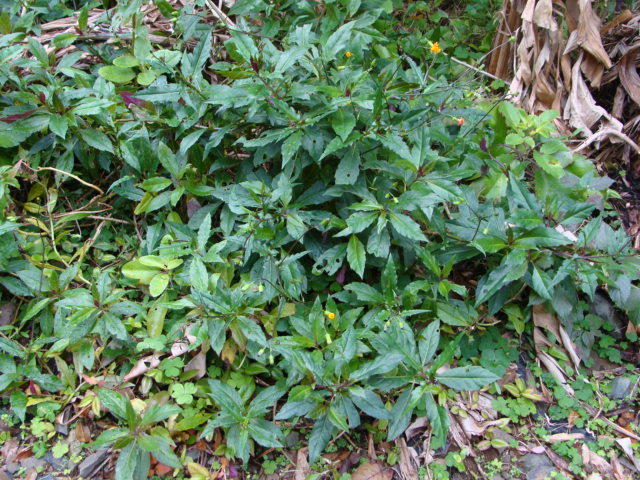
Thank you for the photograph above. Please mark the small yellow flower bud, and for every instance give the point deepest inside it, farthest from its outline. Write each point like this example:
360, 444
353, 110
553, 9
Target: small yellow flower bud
329, 315
435, 48
348, 54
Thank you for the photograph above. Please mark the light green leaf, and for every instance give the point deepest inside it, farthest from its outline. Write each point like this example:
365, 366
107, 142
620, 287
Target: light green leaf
137, 270
158, 284
116, 74
337, 41
467, 378
126, 61
356, 255
198, 275
146, 78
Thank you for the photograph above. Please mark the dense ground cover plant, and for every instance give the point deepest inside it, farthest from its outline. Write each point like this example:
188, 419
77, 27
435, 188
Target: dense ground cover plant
312, 219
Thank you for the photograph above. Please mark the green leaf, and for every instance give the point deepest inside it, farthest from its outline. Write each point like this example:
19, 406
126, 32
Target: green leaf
394, 143
539, 284
294, 409
265, 433
155, 320
116, 74
160, 448
389, 279
108, 437
428, 342
406, 227
400, 415
338, 420
96, 139
198, 275
126, 61
290, 146
265, 399
343, 122
382, 364
337, 41
18, 400
439, 420
453, 314
321, 433
199, 56
365, 293
356, 255
467, 378
522, 195
90, 106
115, 402
146, 78
155, 184
226, 397
348, 169
238, 440
513, 139
127, 461
157, 413
11, 347
368, 402
159, 284
541, 237
491, 283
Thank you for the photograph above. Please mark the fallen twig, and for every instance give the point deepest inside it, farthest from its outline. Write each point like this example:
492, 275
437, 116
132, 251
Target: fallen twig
604, 132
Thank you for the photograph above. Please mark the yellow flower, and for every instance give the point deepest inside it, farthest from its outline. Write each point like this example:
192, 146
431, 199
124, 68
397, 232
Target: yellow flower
329, 315
348, 54
435, 48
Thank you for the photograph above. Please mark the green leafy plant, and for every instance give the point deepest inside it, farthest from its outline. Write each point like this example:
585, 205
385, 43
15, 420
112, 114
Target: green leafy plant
141, 436
328, 225
244, 424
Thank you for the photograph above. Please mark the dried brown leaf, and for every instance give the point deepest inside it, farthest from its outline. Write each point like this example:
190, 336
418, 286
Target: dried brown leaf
591, 458
372, 471
416, 427
407, 460
625, 445
543, 15
142, 366
302, 464
587, 34
564, 437
198, 363
628, 74
618, 471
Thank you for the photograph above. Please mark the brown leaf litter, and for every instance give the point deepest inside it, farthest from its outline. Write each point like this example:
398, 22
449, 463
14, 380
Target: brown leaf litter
558, 55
